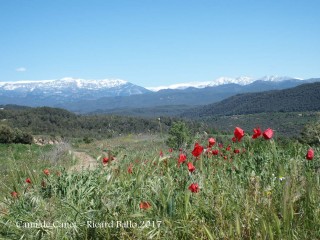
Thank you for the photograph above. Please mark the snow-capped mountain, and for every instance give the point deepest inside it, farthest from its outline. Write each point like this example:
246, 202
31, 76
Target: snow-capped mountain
84, 96
243, 80
276, 78
61, 84
71, 87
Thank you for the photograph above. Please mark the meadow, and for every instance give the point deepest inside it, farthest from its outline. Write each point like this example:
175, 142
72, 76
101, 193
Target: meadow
229, 186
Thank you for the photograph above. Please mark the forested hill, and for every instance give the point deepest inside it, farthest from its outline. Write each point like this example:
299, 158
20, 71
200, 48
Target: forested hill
303, 98
60, 122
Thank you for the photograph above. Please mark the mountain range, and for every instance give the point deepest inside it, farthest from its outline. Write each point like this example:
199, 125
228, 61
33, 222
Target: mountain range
302, 98
222, 81
53, 92
119, 96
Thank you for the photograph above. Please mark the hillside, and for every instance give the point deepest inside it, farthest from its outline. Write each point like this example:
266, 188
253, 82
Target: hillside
302, 98
60, 122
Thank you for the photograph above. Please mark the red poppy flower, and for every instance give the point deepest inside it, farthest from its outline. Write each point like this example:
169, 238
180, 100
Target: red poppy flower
238, 133
145, 205
197, 150
191, 168
236, 151
267, 134
105, 160
194, 187
220, 145
234, 139
182, 158
170, 150
215, 152
28, 180
211, 141
46, 172
14, 194
310, 154
228, 148
256, 133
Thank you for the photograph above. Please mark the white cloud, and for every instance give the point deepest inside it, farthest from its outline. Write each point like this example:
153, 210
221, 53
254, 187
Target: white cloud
21, 69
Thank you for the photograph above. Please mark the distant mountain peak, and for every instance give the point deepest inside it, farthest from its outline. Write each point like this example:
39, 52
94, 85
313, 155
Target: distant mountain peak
63, 82
242, 80
67, 89
276, 78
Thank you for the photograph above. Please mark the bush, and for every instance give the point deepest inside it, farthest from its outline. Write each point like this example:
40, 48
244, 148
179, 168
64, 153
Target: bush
311, 133
22, 137
179, 135
6, 134
9, 135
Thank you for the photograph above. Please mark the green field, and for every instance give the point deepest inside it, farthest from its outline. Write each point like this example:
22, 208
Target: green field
266, 191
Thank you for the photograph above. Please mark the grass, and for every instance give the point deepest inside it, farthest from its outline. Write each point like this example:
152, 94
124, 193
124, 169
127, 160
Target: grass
19, 161
267, 191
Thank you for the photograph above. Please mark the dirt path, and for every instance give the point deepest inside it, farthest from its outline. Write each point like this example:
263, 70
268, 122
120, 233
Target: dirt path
85, 162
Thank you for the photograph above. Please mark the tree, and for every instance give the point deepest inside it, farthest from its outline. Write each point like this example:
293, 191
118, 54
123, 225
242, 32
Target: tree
6, 134
9, 135
22, 137
179, 135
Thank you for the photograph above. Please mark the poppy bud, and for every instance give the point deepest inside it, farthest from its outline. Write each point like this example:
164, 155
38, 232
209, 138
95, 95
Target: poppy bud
46, 172
211, 141
14, 194
145, 205
191, 168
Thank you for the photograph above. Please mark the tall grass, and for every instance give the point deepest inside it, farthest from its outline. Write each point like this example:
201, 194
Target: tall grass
267, 191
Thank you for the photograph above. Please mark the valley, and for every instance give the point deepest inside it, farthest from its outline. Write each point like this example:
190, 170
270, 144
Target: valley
162, 171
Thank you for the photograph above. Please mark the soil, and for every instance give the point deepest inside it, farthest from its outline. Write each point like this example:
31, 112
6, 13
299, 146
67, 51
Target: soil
85, 162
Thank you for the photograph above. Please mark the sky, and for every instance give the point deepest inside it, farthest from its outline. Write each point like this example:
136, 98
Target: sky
158, 42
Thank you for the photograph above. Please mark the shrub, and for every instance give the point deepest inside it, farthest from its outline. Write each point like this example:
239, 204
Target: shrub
6, 134
311, 133
179, 135
22, 137
9, 135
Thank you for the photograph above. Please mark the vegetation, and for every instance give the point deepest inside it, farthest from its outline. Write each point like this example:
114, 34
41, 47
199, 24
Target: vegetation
252, 189
299, 99
143, 186
311, 133
179, 135
289, 124
19, 160
59, 122
148, 112
9, 135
